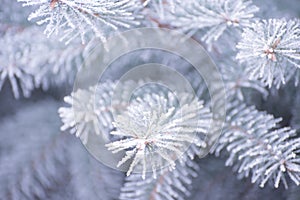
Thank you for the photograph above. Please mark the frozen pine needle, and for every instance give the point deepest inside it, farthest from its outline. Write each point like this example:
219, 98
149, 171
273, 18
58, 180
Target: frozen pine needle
156, 131
270, 48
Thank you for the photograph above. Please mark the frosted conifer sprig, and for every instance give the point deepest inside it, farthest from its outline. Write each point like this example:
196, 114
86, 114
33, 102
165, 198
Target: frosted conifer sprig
30, 60
157, 131
14, 63
270, 48
90, 111
79, 17
212, 16
258, 148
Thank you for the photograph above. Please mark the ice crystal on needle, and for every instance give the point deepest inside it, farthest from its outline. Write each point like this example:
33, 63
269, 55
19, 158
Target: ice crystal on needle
157, 131
270, 48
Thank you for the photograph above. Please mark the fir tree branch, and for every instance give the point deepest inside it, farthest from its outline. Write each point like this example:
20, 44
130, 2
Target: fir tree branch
258, 148
78, 18
30, 60
271, 50
157, 130
212, 16
92, 109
